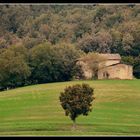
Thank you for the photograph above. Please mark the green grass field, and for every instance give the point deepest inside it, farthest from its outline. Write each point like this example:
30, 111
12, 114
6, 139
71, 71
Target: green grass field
35, 110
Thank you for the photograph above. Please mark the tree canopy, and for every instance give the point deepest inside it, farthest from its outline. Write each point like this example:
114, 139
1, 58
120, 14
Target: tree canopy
68, 29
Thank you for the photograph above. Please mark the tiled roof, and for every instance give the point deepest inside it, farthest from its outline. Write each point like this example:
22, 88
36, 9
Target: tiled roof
111, 56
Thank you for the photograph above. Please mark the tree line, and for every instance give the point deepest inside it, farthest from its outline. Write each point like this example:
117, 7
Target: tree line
40, 43
41, 64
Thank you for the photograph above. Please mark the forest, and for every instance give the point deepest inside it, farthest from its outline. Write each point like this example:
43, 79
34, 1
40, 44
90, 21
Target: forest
41, 43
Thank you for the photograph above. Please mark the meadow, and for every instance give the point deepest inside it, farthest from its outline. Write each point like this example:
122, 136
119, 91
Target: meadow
36, 111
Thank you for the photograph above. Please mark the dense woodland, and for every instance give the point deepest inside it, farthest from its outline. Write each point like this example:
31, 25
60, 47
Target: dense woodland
41, 43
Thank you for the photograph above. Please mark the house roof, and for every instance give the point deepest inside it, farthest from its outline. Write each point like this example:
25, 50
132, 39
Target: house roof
117, 64
109, 56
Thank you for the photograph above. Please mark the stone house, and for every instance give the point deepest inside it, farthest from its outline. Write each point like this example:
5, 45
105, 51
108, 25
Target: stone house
112, 69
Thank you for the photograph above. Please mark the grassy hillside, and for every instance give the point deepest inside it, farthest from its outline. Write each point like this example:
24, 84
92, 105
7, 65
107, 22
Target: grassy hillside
36, 110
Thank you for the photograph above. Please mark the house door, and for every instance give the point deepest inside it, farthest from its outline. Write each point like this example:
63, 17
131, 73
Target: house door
106, 75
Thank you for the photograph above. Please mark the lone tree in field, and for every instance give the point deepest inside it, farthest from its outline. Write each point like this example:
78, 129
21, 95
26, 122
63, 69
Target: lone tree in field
77, 100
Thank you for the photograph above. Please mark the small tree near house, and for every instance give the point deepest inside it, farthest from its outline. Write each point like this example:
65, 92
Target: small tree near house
77, 100
93, 62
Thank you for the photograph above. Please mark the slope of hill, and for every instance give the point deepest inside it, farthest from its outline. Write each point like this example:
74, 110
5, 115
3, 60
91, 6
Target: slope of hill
36, 110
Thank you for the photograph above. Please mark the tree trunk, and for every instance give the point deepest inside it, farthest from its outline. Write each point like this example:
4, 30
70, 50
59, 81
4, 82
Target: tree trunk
74, 124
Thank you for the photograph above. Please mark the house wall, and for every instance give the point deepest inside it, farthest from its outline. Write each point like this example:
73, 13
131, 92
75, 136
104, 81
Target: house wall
119, 71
